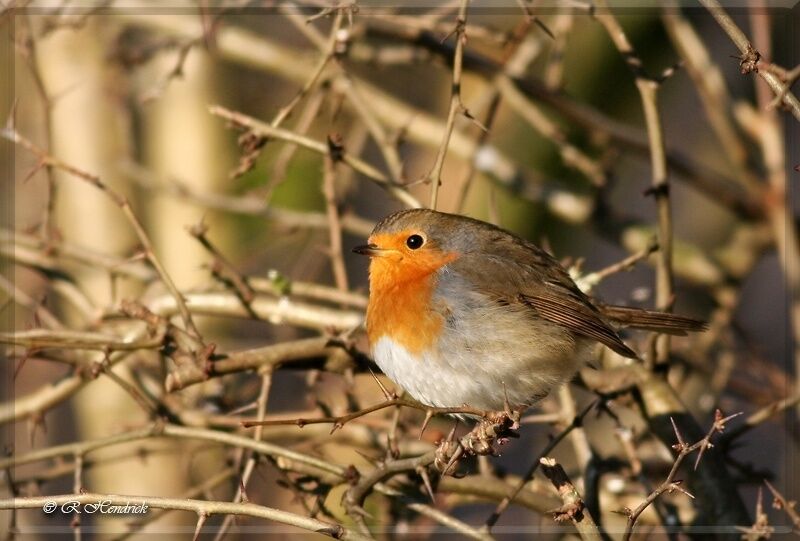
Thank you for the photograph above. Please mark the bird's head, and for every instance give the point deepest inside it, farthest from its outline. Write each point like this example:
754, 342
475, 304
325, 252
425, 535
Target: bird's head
412, 244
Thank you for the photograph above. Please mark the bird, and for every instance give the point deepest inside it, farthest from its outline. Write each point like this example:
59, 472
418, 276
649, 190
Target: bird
464, 313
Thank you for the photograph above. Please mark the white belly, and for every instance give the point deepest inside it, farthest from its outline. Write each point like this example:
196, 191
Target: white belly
457, 375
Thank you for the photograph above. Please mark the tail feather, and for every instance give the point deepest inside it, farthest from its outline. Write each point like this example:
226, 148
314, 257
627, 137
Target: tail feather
651, 320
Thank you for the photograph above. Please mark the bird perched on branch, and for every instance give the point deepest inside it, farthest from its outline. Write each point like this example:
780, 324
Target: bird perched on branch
462, 312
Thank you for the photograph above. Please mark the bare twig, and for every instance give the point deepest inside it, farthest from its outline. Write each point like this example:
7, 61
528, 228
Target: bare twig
194, 492
345, 84
573, 507
660, 190
37, 402
257, 51
359, 165
435, 175
278, 284
339, 421
201, 507
756, 418
589, 281
264, 358
67, 339
332, 210
250, 465
317, 330
491, 429
223, 268
572, 155
284, 310
788, 506
750, 56
670, 484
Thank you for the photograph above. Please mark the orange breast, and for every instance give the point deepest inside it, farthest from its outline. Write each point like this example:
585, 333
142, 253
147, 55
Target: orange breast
400, 301
403, 313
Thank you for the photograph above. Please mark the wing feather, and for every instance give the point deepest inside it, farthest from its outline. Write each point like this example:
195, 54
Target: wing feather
578, 317
518, 272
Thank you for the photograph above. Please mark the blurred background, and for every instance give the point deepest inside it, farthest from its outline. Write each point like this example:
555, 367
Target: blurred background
553, 146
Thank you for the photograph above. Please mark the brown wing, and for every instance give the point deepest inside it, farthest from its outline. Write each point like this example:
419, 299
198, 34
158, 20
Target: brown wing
578, 316
517, 271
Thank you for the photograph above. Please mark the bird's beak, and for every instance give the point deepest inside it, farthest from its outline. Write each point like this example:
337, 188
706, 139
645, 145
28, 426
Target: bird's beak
368, 249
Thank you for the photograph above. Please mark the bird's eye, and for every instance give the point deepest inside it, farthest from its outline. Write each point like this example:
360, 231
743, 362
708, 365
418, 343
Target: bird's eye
415, 241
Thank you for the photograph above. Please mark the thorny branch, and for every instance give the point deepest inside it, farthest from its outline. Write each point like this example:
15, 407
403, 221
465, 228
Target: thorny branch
203, 508
670, 484
339, 421
749, 61
787, 506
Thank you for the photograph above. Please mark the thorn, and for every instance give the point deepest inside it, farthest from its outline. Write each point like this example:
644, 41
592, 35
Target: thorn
676, 486
453, 460
201, 519
771, 488
451, 436
720, 422
386, 394
373, 461
706, 445
625, 512
243, 491
358, 510
426, 480
681, 445
428, 417
760, 502
538, 22
459, 29
351, 475
464, 111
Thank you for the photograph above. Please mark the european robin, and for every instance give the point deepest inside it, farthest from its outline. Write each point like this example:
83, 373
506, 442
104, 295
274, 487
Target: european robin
462, 312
